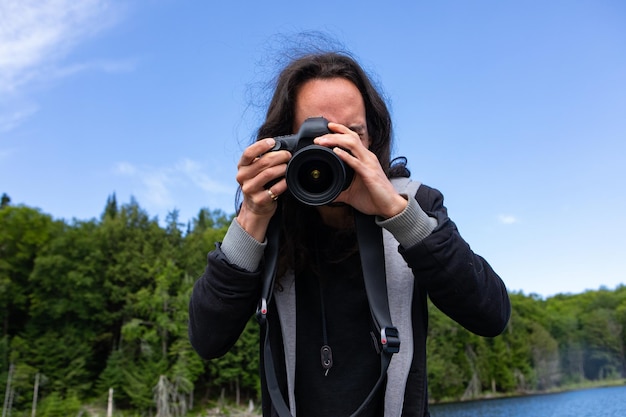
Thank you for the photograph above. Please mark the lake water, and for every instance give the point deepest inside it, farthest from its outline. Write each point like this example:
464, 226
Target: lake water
596, 402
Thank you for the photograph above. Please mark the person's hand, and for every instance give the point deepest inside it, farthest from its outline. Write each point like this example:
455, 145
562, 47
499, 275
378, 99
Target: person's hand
255, 170
371, 192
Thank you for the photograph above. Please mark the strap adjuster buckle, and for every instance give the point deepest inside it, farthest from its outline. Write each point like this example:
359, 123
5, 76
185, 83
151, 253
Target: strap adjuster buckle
261, 312
390, 339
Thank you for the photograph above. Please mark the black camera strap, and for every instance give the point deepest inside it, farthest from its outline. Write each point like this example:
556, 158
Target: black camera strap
370, 240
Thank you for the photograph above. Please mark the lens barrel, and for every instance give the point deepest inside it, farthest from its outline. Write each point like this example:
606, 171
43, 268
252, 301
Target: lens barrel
316, 175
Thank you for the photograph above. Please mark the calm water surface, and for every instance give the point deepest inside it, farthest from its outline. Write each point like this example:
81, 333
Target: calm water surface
597, 402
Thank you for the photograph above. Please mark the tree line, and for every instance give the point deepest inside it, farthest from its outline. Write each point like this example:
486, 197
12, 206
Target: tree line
92, 305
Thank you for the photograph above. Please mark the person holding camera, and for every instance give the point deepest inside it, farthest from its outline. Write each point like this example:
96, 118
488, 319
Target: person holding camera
322, 342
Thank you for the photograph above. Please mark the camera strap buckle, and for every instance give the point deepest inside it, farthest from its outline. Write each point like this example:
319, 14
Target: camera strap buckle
390, 339
261, 312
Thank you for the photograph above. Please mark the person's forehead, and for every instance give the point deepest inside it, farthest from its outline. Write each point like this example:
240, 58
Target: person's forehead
336, 99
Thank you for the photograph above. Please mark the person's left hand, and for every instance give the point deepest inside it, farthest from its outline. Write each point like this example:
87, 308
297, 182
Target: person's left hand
371, 192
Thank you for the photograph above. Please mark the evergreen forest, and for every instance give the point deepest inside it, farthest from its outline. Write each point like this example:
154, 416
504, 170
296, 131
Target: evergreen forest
90, 306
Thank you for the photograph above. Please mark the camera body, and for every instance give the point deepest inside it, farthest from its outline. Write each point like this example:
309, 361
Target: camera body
315, 174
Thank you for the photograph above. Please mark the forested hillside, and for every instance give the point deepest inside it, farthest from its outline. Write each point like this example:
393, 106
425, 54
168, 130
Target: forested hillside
86, 306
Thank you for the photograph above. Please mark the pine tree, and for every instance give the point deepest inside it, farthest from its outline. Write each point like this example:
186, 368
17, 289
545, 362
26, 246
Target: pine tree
5, 200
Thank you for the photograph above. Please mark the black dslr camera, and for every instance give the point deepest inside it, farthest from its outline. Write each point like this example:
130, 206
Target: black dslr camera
315, 174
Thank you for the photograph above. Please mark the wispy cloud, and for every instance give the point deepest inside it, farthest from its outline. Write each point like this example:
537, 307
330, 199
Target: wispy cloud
12, 116
158, 187
198, 176
124, 168
36, 36
508, 219
111, 67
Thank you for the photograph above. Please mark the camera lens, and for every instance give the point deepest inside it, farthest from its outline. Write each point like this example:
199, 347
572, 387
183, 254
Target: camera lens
316, 176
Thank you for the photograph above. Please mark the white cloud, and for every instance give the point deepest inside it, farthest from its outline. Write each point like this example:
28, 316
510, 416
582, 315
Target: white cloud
110, 67
197, 174
150, 185
124, 168
15, 115
36, 35
160, 187
507, 219
157, 191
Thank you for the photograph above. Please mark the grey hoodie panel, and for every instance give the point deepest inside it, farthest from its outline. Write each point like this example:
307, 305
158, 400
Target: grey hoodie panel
400, 282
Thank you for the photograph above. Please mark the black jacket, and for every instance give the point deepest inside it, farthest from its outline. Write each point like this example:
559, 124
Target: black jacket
459, 282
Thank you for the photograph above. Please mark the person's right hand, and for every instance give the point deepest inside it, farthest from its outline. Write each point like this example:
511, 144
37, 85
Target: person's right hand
255, 170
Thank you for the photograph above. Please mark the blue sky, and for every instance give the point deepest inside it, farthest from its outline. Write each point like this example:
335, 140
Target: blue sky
516, 111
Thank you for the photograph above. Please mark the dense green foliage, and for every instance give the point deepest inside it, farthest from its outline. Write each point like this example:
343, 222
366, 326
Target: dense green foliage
90, 305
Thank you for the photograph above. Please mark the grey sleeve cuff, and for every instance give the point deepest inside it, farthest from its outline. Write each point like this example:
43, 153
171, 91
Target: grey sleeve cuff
241, 249
410, 226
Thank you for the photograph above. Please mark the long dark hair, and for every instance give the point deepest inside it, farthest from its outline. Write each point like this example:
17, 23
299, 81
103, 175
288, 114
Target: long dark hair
299, 220
281, 111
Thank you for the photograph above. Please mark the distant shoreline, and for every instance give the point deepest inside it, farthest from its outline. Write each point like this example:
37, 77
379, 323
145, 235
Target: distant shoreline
556, 390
